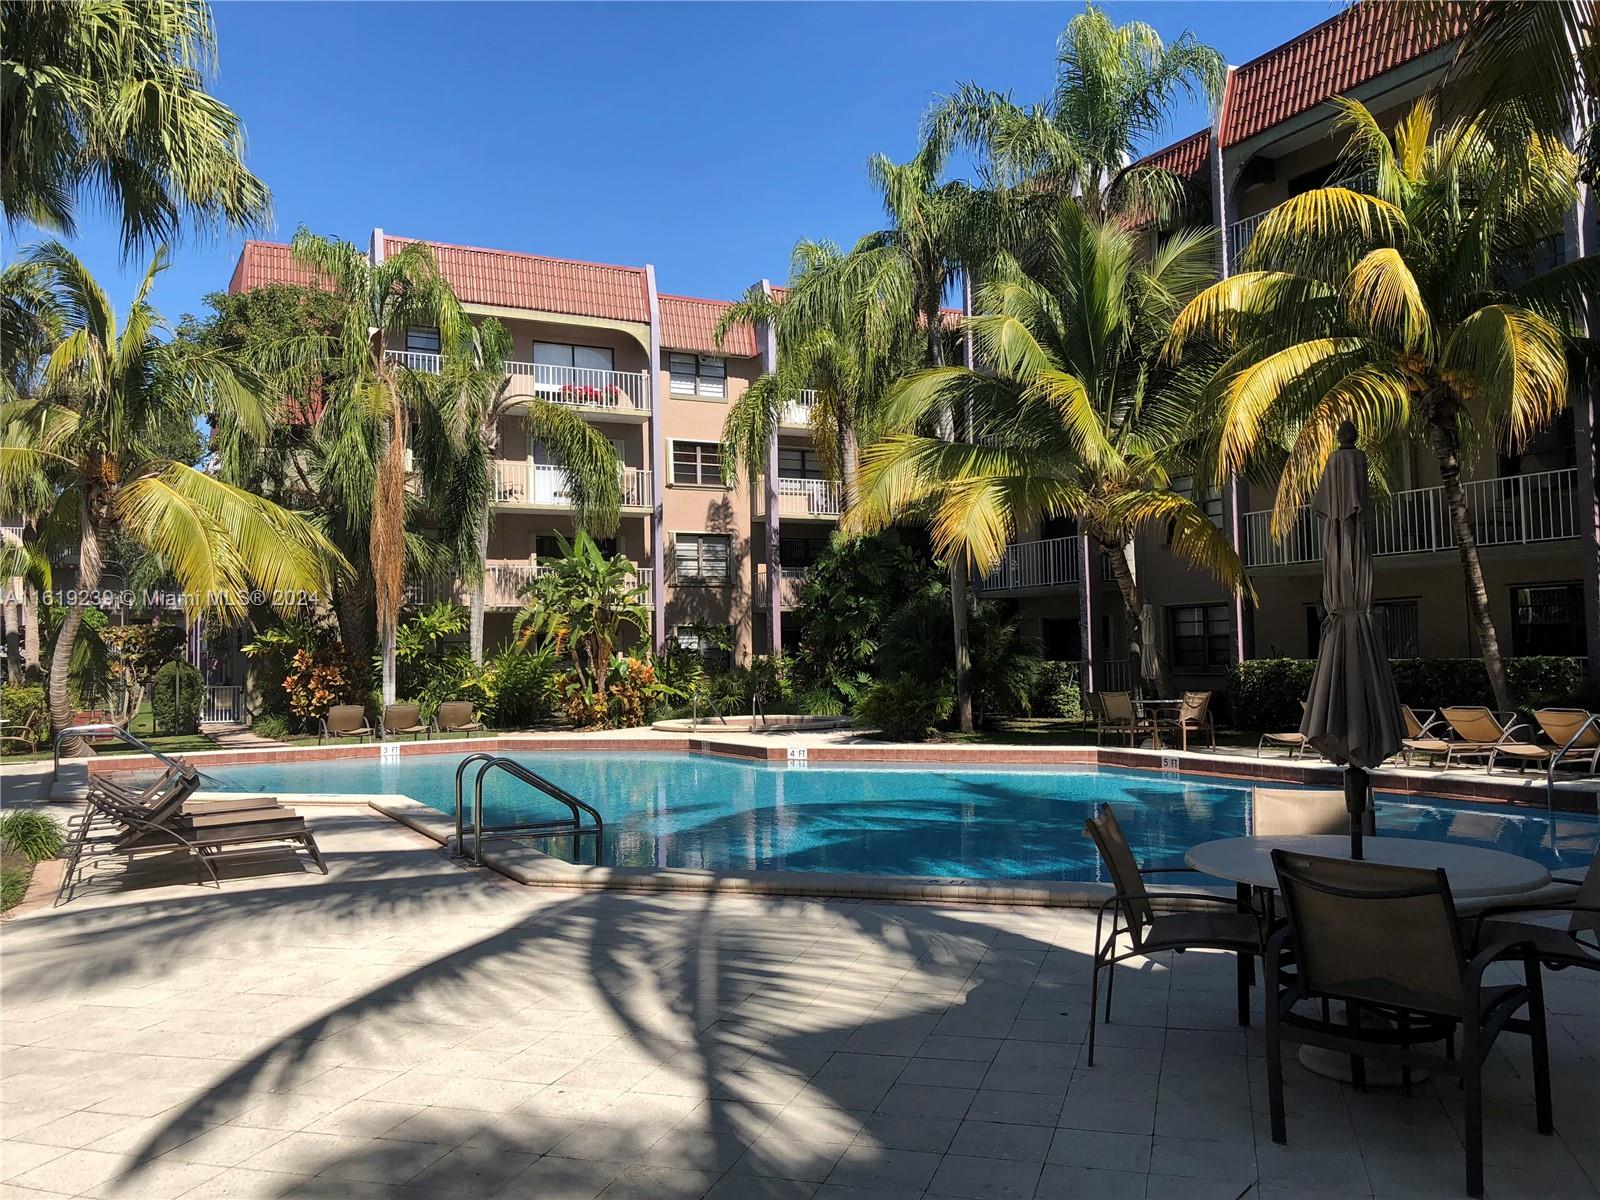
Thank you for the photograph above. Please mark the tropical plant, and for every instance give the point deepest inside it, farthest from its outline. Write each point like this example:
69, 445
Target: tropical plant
906, 708
371, 401
459, 440
31, 834
520, 686
581, 606
1400, 300
1005, 664
105, 406
175, 697
1114, 88
107, 97
318, 679
1074, 414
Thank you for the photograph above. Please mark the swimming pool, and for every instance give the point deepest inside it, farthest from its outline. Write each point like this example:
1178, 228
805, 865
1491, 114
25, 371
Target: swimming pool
691, 810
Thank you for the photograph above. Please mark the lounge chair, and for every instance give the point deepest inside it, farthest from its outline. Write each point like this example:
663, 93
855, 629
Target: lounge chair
1192, 714
173, 791
401, 719
1422, 736
1481, 733
1137, 920
1576, 734
1118, 716
1293, 739
346, 720
1385, 941
456, 716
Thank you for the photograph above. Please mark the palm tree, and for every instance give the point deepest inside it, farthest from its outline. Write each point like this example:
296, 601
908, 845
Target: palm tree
372, 400
458, 443
108, 98
95, 426
1113, 90
1394, 302
1073, 415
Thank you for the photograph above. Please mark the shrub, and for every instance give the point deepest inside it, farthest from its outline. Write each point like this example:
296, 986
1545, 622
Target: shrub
34, 835
175, 698
271, 725
13, 886
1265, 693
317, 680
19, 705
907, 708
817, 702
523, 687
1056, 692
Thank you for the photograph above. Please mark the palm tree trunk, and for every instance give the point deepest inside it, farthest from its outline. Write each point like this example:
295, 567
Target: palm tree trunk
1447, 449
958, 617
30, 630
1152, 663
14, 633
475, 603
849, 461
60, 694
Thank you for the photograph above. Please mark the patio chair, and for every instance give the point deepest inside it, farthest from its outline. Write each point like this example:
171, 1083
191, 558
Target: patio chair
1142, 929
345, 720
173, 792
1576, 945
1118, 716
1422, 736
1293, 739
1576, 734
456, 716
1193, 713
1285, 812
1484, 734
1385, 941
23, 737
401, 719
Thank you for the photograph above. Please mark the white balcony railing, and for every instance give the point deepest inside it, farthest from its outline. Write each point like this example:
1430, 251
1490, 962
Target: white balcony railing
1507, 510
816, 498
1239, 235
505, 584
1050, 562
789, 586
582, 387
798, 410
543, 485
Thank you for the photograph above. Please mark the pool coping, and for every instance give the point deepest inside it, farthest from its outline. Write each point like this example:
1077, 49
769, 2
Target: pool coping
1568, 796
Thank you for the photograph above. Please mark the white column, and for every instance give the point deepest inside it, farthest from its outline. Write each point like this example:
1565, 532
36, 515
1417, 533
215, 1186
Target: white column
768, 342
658, 470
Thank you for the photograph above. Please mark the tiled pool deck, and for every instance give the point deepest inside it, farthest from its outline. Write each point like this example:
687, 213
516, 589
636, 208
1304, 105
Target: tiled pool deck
407, 1027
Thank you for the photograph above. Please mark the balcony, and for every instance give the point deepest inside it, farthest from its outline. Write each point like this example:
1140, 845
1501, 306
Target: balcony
805, 499
1510, 510
1239, 235
519, 484
504, 582
622, 395
1050, 562
789, 586
796, 413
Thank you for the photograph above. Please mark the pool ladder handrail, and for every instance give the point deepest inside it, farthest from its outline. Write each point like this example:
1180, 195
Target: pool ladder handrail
491, 762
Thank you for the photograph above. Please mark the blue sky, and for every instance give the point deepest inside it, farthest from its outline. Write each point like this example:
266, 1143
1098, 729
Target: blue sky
702, 138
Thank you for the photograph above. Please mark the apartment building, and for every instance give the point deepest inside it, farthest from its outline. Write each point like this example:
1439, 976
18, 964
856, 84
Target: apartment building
1534, 514
649, 371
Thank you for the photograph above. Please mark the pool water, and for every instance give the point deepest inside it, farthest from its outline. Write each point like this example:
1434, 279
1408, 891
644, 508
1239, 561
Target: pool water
688, 810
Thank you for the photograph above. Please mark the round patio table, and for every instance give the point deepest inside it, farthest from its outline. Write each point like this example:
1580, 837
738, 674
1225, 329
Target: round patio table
1475, 873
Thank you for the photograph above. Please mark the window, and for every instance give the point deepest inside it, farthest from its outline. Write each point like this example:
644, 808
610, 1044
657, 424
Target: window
1547, 618
547, 547
799, 464
800, 551
697, 464
1396, 622
1201, 636
559, 354
701, 557
421, 341
1209, 499
713, 643
698, 375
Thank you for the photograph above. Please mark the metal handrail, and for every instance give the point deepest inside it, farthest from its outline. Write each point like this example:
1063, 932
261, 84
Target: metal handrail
516, 770
101, 728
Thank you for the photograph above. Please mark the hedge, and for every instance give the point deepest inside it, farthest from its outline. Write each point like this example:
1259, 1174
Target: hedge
175, 698
1265, 693
1056, 692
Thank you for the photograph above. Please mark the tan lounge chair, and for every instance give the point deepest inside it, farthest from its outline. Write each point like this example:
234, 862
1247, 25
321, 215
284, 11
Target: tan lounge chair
345, 720
1118, 716
1192, 714
1576, 734
1294, 740
401, 719
456, 716
1422, 736
1483, 734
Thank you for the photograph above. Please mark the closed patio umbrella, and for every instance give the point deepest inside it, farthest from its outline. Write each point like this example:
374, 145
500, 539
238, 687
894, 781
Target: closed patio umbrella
1352, 714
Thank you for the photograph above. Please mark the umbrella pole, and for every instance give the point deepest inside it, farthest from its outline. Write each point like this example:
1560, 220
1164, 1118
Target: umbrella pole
1355, 801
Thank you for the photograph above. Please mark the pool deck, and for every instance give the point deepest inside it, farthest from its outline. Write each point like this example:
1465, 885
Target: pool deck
408, 1027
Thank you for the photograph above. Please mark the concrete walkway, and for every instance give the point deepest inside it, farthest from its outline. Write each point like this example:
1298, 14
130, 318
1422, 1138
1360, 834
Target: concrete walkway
409, 1028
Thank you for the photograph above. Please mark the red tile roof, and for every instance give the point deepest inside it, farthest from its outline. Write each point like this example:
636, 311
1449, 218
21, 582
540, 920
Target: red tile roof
1187, 158
688, 323
557, 285
261, 263
1359, 44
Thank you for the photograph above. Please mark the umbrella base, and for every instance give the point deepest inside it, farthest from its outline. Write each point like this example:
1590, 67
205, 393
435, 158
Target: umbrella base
1330, 1064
